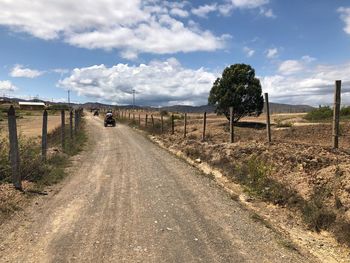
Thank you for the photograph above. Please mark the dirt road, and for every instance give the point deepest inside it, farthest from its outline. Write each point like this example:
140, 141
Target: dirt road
127, 200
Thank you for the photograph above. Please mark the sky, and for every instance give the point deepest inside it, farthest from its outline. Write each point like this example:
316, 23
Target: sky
171, 52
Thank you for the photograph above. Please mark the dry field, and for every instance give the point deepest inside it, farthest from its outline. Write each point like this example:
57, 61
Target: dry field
31, 126
289, 128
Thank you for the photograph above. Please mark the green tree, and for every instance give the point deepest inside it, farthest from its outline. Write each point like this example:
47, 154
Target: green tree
238, 88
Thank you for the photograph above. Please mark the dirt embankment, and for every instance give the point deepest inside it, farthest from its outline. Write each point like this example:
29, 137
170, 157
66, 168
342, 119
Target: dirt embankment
307, 188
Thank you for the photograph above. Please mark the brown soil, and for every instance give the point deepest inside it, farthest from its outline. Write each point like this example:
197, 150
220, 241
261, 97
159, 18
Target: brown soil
31, 126
127, 200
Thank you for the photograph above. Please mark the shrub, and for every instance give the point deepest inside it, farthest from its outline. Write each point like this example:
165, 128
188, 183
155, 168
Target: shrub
282, 124
345, 111
164, 113
322, 113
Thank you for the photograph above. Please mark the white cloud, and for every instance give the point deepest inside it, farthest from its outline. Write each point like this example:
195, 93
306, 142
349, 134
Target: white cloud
204, 10
249, 4
345, 16
289, 67
157, 83
272, 53
315, 86
7, 86
156, 37
19, 71
168, 82
308, 59
248, 51
131, 26
267, 12
228, 5
179, 12
60, 70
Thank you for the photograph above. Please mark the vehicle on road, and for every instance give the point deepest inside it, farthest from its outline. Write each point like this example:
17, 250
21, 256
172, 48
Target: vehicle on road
109, 120
96, 113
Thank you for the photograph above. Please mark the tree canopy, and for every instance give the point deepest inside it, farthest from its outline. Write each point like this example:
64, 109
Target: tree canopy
238, 88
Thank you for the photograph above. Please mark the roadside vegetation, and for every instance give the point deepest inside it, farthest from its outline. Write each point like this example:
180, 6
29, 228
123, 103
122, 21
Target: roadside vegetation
36, 174
325, 113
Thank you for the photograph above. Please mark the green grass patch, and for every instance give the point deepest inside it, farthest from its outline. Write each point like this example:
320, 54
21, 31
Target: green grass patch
319, 114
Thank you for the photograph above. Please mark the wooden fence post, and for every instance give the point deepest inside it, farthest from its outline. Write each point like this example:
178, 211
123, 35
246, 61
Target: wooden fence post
172, 124
146, 122
71, 124
161, 123
185, 125
204, 125
336, 113
133, 116
268, 124
63, 126
44, 137
152, 122
76, 122
14, 152
139, 120
231, 126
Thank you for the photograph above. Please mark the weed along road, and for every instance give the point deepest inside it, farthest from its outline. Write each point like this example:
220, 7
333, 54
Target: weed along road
127, 200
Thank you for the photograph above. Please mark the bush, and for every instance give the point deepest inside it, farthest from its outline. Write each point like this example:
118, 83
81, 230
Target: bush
283, 124
322, 113
345, 111
164, 113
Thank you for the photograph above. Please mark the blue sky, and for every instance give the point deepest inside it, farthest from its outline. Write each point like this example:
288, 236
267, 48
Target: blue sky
170, 52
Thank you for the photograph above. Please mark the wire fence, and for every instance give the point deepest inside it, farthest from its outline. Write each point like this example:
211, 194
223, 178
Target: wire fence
24, 154
286, 127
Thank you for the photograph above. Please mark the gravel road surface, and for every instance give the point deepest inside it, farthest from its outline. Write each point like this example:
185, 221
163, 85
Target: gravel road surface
127, 200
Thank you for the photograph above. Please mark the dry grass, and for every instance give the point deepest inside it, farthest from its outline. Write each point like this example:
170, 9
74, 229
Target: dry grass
299, 170
29, 123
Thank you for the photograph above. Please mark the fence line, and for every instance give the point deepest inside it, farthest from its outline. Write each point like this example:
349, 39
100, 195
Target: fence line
57, 137
180, 122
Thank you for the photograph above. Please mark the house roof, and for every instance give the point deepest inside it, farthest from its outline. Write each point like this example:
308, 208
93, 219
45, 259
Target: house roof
29, 103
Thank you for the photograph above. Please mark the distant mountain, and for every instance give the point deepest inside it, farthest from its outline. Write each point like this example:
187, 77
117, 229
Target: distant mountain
189, 109
274, 107
289, 108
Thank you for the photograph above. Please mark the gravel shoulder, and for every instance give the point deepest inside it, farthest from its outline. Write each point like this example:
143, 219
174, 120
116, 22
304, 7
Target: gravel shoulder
128, 200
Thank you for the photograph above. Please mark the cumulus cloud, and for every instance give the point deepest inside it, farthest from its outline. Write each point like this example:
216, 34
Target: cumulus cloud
248, 51
157, 83
18, 71
271, 53
345, 16
168, 83
204, 10
289, 67
314, 86
267, 12
132, 26
226, 7
249, 4
179, 12
7, 86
